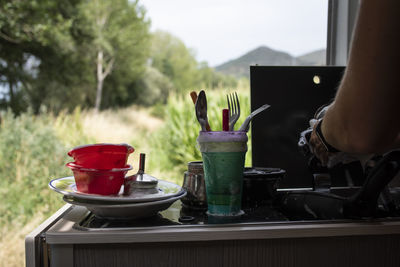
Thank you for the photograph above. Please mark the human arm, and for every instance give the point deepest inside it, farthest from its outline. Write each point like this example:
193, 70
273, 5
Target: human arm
365, 115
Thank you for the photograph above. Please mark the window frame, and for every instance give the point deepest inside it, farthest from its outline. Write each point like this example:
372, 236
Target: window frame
342, 15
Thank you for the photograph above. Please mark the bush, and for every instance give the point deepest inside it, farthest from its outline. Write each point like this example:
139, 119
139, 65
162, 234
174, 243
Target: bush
33, 150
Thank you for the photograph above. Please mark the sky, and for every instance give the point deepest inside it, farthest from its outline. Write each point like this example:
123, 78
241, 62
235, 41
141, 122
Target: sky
221, 30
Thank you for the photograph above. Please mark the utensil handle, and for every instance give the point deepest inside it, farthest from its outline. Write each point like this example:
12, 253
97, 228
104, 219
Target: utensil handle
208, 128
225, 119
245, 125
193, 95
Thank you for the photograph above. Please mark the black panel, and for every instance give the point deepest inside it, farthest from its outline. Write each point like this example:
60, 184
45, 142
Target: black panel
294, 97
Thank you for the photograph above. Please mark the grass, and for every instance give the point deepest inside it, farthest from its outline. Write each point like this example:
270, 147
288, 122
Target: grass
33, 149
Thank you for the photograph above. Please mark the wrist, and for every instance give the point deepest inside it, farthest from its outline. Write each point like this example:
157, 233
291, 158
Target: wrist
318, 132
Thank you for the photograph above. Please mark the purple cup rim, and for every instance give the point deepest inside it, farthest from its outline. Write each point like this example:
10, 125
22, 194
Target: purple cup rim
74, 166
222, 136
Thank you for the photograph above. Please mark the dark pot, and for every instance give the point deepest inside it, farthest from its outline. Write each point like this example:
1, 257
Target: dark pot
259, 186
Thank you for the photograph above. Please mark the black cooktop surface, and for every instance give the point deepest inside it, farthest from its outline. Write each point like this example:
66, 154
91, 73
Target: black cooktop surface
178, 214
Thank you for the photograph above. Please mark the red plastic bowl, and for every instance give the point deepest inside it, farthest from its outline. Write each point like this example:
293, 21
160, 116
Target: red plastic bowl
101, 182
101, 156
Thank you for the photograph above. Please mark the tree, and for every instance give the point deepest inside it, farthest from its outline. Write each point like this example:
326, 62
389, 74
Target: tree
174, 60
154, 88
59, 54
27, 30
120, 32
171, 57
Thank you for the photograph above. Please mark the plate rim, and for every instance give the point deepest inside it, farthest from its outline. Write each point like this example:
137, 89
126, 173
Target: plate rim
130, 211
94, 197
127, 205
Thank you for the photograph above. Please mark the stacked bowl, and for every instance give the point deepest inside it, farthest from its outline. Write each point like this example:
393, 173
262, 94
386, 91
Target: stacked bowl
100, 168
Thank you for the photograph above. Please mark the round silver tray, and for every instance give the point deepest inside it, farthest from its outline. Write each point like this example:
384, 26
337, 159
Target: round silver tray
67, 187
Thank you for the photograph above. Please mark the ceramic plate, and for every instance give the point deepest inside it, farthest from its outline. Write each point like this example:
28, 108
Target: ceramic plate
67, 187
126, 211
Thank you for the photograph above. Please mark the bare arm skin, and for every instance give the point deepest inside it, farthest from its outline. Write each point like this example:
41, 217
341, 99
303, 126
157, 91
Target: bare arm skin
365, 116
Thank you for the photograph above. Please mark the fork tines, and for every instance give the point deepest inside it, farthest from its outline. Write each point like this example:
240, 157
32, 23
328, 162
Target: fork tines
234, 109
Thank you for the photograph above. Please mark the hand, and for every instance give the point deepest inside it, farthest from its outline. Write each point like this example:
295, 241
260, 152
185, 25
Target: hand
319, 149
331, 159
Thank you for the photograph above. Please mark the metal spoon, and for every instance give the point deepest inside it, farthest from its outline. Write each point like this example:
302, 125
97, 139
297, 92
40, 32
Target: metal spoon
193, 95
201, 110
245, 125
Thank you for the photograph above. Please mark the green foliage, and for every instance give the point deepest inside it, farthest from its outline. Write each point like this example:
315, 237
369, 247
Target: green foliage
38, 44
174, 60
49, 52
27, 30
41, 21
171, 57
62, 55
209, 78
33, 149
120, 33
154, 88
174, 145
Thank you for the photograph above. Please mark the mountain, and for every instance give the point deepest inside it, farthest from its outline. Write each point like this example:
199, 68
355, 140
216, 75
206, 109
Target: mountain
315, 58
263, 55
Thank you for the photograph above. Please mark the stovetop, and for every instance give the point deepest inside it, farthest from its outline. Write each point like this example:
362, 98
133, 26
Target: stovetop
178, 214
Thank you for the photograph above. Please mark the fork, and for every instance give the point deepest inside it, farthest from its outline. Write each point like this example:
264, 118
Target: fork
234, 109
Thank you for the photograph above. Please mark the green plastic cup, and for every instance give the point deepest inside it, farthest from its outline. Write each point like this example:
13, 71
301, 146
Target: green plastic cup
223, 161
